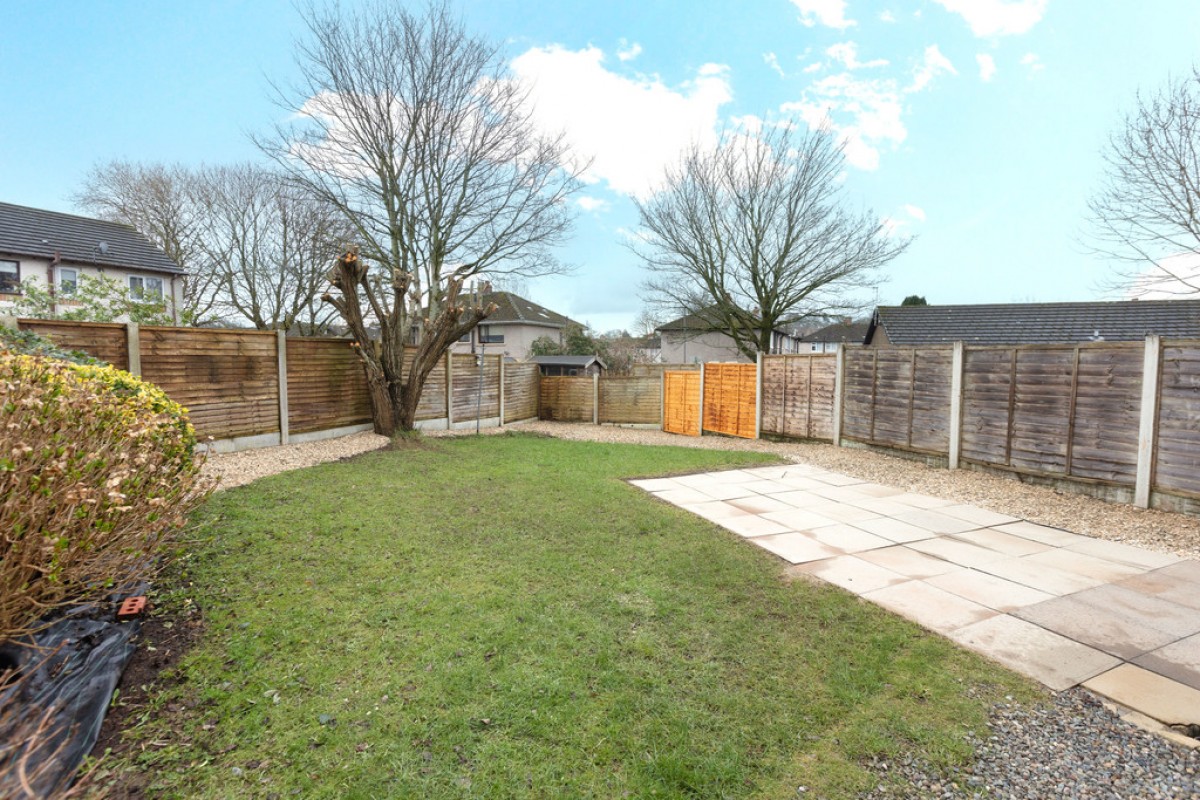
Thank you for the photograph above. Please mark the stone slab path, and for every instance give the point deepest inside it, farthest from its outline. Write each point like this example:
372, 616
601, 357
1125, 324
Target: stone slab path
1062, 608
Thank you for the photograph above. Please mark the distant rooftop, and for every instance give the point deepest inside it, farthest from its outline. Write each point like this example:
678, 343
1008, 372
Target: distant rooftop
36, 233
1038, 323
841, 333
511, 308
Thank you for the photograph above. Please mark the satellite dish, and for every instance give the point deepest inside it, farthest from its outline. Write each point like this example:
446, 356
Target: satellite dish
103, 248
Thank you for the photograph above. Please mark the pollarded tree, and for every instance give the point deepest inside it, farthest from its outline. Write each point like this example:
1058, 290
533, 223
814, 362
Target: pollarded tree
755, 233
1149, 207
412, 129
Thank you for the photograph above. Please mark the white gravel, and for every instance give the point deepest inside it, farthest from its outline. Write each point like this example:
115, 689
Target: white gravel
1154, 530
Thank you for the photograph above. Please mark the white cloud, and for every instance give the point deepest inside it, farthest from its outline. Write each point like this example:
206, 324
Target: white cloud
916, 212
987, 66
772, 61
1033, 63
887, 16
628, 52
813, 68
847, 54
633, 127
592, 203
932, 65
997, 17
866, 113
830, 13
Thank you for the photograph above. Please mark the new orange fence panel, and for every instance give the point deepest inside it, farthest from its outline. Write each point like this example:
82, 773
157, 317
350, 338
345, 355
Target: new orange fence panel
730, 397
681, 402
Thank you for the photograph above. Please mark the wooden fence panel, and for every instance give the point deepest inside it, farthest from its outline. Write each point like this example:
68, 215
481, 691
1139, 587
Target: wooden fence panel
566, 399
103, 340
894, 372
1177, 463
476, 395
327, 387
798, 395
432, 404
730, 392
631, 401
987, 404
1104, 444
858, 408
1042, 409
227, 379
929, 426
521, 384
682, 402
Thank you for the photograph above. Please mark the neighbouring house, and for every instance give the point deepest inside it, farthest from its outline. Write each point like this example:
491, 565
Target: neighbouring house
56, 249
1034, 323
512, 327
562, 366
827, 339
698, 338
649, 349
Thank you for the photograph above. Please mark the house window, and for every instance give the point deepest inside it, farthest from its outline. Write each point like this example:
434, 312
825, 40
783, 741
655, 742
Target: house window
488, 337
10, 277
145, 288
68, 281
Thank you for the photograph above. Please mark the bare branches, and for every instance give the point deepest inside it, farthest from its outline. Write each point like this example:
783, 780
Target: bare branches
755, 234
1149, 207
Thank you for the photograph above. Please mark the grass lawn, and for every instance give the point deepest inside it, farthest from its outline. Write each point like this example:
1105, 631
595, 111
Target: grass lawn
506, 617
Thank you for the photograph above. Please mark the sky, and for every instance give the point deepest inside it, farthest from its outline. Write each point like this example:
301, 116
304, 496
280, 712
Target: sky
974, 126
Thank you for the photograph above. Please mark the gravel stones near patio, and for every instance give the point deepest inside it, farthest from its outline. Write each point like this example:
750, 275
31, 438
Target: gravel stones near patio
1075, 748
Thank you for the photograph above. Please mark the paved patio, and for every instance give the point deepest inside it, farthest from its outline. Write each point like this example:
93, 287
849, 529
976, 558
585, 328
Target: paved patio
1062, 608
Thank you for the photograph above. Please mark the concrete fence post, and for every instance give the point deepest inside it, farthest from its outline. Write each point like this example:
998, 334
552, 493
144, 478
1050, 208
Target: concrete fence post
449, 391
662, 399
501, 390
839, 390
133, 346
1151, 361
595, 398
700, 404
281, 357
758, 398
956, 405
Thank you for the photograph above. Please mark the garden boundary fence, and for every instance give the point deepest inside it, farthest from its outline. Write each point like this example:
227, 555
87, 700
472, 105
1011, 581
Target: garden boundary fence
251, 388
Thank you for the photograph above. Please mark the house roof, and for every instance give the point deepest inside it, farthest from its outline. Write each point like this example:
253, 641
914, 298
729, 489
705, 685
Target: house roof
513, 309
569, 361
842, 332
1038, 323
704, 320
36, 233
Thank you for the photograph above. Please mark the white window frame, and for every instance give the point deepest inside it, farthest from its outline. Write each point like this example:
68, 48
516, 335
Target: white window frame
17, 265
62, 281
140, 292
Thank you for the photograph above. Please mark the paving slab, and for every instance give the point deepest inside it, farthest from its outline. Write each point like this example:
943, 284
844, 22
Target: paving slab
1001, 542
935, 521
657, 484
1120, 635
751, 525
798, 519
714, 510
842, 512
852, 573
1179, 661
800, 498
958, 552
1054, 660
918, 500
894, 530
796, 548
724, 491
836, 479
1179, 583
909, 562
1042, 577
848, 538
979, 516
763, 486
759, 504
988, 590
682, 495
884, 506
1128, 555
1157, 696
1042, 533
1146, 609
1101, 569
929, 606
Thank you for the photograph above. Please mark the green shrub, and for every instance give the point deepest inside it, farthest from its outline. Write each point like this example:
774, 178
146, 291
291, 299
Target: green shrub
96, 470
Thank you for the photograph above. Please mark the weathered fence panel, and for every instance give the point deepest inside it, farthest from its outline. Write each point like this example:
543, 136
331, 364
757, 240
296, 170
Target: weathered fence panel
326, 385
1177, 462
521, 384
476, 388
1104, 441
929, 415
681, 402
227, 379
899, 397
631, 401
798, 395
566, 399
103, 340
730, 397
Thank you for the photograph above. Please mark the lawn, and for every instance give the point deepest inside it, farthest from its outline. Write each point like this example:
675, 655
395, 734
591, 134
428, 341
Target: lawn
506, 617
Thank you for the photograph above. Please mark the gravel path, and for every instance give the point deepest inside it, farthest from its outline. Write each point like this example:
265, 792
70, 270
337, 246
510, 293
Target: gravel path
1074, 748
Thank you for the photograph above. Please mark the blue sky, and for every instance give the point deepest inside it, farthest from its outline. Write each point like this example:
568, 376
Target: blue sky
974, 125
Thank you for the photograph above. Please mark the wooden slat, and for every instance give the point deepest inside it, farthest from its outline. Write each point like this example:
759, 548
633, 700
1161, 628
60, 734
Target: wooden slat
566, 399
682, 402
521, 384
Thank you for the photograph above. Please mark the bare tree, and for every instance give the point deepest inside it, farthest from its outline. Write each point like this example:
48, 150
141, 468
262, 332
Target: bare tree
159, 202
1149, 207
270, 243
755, 234
414, 131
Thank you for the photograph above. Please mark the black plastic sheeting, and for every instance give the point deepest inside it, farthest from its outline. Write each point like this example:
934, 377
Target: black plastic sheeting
73, 667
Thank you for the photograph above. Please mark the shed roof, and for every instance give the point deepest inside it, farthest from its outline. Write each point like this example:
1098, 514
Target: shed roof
44, 234
569, 361
1038, 323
